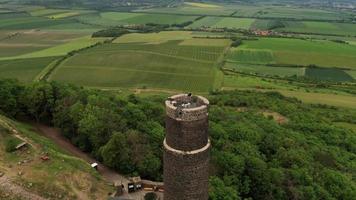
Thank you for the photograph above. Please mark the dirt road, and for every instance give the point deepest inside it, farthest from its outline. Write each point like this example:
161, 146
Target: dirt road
55, 135
108, 174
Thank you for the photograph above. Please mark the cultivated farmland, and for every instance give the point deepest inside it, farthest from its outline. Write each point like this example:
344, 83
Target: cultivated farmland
343, 29
119, 18
23, 69
58, 50
223, 22
168, 64
304, 52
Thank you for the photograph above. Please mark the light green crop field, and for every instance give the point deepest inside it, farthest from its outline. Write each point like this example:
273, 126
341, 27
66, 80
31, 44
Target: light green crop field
154, 38
22, 21
305, 52
223, 22
45, 12
23, 69
266, 70
299, 13
164, 65
320, 28
122, 18
193, 9
59, 50
16, 43
250, 56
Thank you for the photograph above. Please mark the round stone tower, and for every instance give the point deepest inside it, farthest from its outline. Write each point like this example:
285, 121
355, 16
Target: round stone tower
186, 148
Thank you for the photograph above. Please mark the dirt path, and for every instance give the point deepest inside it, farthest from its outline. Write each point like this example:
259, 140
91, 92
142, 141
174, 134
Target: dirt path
11, 188
108, 174
55, 135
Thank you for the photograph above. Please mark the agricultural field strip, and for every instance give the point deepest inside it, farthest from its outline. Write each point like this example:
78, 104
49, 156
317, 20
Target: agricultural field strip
133, 70
156, 53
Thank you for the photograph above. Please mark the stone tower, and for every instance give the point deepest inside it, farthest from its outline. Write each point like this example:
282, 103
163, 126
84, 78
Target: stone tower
186, 148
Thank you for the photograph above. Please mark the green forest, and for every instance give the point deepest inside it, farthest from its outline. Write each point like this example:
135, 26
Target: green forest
307, 155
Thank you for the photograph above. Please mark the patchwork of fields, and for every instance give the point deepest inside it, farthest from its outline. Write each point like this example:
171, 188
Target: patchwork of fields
223, 22
292, 57
106, 19
319, 28
167, 64
304, 52
24, 54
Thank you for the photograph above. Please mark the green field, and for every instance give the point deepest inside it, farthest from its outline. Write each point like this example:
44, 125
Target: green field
59, 50
299, 13
351, 73
321, 98
223, 22
304, 52
319, 28
327, 74
266, 70
23, 69
138, 18
174, 64
154, 38
250, 56
17, 43
21, 21
122, 18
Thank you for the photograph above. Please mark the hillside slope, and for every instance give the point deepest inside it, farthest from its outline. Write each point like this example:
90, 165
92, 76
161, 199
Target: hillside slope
25, 175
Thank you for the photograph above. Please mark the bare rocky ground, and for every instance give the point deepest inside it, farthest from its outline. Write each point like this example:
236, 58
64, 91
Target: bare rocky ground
9, 190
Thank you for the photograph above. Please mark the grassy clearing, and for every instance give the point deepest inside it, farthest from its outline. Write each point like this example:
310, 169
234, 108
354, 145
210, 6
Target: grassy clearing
24, 70
154, 38
223, 22
266, 70
63, 175
320, 28
233, 82
305, 52
60, 50
161, 65
327, 74
321, 98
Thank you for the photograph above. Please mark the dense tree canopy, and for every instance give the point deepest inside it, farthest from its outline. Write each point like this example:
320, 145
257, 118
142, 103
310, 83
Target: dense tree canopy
254, 156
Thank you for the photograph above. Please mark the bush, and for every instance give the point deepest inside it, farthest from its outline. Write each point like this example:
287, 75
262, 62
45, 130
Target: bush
150, 196
10, 144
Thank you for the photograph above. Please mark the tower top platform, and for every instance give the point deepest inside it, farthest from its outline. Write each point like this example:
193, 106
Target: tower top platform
187, 107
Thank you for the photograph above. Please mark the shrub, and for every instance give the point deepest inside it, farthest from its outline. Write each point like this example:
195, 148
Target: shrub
150, 196
10, 144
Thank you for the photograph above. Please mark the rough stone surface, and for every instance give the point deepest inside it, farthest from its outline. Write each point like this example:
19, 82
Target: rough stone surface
186, 150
